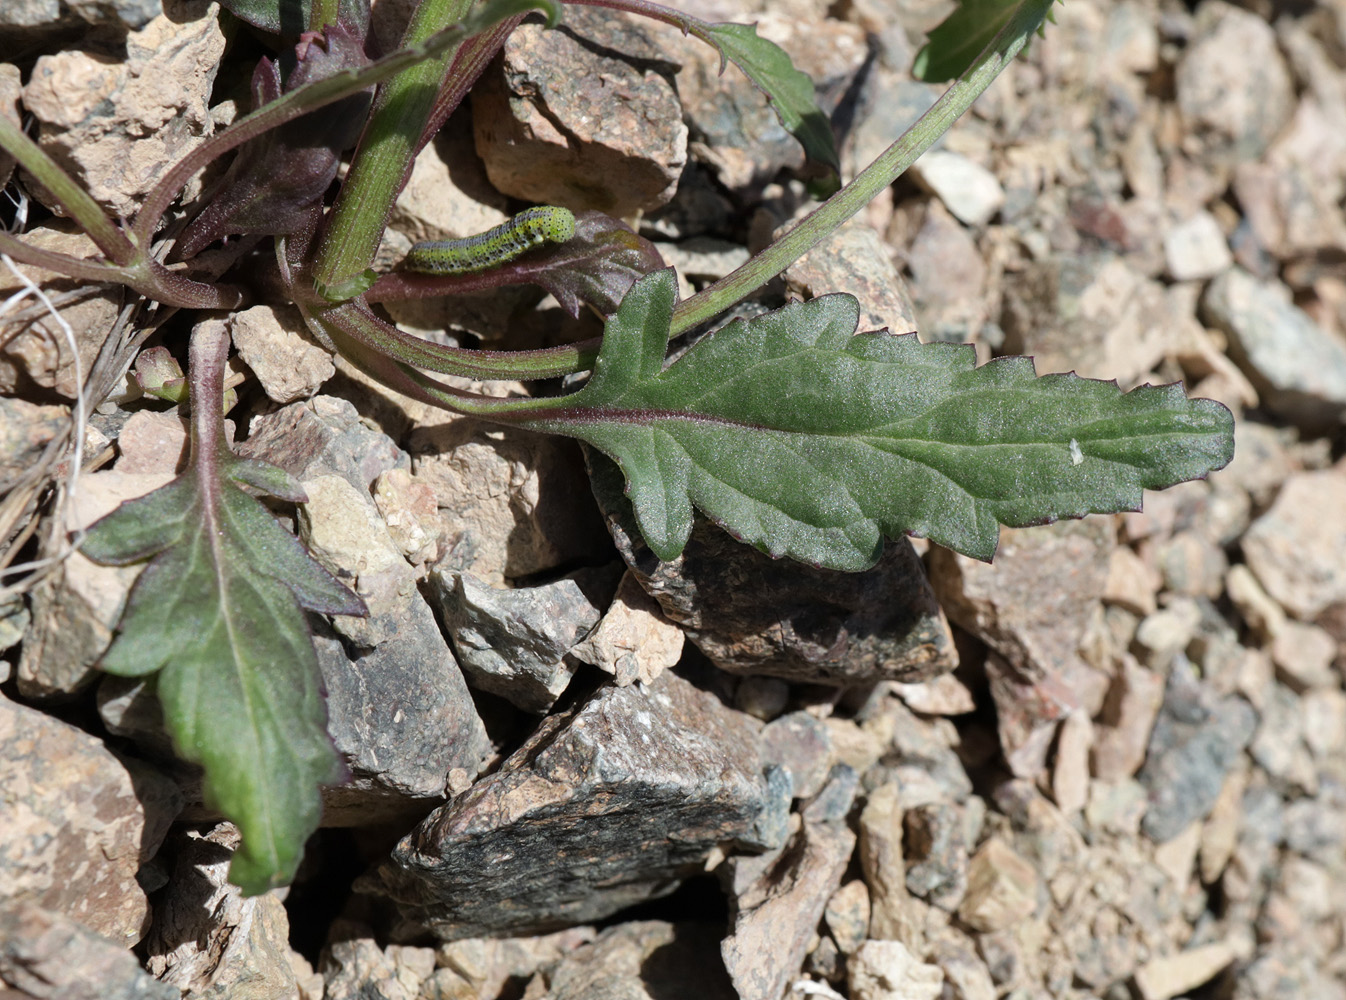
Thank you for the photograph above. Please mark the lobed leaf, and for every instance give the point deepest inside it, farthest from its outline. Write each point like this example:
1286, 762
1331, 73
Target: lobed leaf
808, 440
219, 614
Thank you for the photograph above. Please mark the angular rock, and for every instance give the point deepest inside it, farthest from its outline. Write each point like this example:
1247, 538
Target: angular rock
1303, 655
1033, 605
281, 352
79, 824
1298, 369
847, 915
937, 855
644, 960
25, 430
733, 129
1090, 313
354, 967
1236, 106
39, 351
1297, 549
1172, 975
210, 940
778, 899
1001, 888
511, 504
1196, 249
76, 610
153, 443
1124, 729
886, 970
118, 126
854, 259
323, 435
801, 744
399, 710
409, 510
1196, 740
948, 277
634, 641
751, 614
549, 131
1070, 776
45, 955
970, 191
629, 791
1027, 713
513, 643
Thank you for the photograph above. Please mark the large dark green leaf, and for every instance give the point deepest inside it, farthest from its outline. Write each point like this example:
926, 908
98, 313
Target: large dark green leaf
807, 440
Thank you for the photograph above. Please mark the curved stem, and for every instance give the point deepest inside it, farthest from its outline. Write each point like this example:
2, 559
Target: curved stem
820, 224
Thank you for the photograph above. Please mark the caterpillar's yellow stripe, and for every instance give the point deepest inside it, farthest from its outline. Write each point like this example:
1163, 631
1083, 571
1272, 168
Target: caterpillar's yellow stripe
530, 228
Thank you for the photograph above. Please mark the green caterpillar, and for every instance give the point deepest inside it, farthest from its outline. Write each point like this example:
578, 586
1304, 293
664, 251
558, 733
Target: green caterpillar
530, 228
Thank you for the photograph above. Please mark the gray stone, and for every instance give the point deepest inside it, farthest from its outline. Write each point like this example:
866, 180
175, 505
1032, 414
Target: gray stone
834, 802
208, 938
800, 743
751, 614
606, 805
1090, 313
1195, 249
1034, 604
1196, 740
937, 854
778, 899
46, 955
1297, 549
968, 190
549, 131
323, 434
644, 960
399, 710
1236, 106
79, 823
1298, 369
855, 259
513, 643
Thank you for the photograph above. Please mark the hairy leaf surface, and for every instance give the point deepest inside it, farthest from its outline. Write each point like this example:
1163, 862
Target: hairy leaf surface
807, 440
218, 613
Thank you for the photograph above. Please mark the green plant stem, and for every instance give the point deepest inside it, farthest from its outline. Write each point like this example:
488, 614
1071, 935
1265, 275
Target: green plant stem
829, 217
77, 202
401, 109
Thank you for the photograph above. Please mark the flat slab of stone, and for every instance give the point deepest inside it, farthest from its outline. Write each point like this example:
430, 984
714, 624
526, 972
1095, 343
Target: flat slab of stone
604, 806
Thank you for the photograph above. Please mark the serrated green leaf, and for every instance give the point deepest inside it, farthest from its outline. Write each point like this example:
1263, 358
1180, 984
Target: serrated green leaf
219, 612
956, 41
807, 440
790, 92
